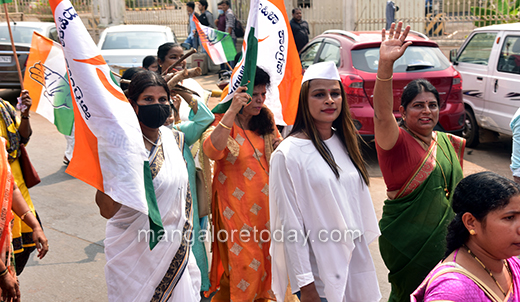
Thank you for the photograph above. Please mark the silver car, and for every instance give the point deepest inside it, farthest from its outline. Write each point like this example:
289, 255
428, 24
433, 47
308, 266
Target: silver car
125, 46
22, 35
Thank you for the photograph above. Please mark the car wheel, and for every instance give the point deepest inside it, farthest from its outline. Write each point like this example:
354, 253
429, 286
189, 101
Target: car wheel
470, 132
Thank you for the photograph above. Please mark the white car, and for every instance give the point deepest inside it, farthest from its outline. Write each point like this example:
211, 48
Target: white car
125, 46
489, 62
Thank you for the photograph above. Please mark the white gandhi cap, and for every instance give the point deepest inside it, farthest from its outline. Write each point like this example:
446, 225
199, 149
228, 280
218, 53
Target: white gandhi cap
323, 70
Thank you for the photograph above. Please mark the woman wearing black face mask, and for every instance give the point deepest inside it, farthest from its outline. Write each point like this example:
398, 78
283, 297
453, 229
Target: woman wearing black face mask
153, 273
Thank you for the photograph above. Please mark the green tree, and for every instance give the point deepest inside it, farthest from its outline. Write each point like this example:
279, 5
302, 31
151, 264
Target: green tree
496, 12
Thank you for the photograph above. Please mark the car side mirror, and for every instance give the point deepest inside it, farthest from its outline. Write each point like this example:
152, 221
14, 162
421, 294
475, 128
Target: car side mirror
453, 56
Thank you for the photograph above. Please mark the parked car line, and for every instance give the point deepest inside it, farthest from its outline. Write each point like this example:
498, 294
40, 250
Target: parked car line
356, 55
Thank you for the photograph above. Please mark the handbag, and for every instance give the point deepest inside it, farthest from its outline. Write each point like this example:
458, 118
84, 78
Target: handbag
202, 195
30, 176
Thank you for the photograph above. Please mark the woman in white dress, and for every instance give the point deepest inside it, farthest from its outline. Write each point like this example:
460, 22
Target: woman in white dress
168, 272
319, 200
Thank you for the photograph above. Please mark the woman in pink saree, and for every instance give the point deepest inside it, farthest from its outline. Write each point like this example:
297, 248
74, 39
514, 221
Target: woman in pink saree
482, 244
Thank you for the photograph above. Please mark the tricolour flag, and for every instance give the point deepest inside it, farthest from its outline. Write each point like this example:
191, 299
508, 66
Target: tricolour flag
244, 72
47, 81
109, 151
219, 45
276, 54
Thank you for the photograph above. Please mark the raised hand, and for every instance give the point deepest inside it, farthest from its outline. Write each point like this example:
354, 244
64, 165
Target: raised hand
26, 103
394, 47
240, 99
177, 99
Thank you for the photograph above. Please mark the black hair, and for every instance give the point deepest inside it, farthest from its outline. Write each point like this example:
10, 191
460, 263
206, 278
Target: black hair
128, 75
296, 9
163, 50
142, 80
345, 130
226, 2
416, 87
191, 4
204, 3
477, 194
262, 77
149, 60
263, 123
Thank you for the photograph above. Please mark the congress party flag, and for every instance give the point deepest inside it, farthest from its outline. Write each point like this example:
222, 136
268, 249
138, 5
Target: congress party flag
276, 54
47, 81
109, 151
219, 45
244, 71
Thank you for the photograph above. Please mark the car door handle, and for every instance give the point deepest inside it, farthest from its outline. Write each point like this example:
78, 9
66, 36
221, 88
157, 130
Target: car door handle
480, 78
496, 85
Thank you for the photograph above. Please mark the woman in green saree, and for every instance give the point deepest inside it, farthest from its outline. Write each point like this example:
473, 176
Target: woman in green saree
421, 167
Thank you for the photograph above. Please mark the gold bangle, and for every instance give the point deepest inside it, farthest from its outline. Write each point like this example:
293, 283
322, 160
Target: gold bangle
25, 214
224, 126
6, 270
384, 80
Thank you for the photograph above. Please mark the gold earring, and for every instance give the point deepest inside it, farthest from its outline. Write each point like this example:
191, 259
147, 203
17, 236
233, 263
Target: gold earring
472, 232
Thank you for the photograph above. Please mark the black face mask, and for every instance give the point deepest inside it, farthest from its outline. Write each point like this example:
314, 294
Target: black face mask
153, 116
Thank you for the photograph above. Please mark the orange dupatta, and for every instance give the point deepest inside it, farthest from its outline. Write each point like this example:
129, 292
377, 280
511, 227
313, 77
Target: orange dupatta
6, 215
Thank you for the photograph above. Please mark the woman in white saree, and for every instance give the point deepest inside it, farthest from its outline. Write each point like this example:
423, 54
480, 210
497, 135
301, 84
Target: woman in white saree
168, 272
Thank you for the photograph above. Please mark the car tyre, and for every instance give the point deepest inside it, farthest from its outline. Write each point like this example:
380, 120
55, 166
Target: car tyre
471, 129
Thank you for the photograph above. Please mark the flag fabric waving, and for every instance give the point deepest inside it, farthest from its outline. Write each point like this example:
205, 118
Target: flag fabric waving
109, 151
245, 69
5, 1
219, 45
276, 54
47, 81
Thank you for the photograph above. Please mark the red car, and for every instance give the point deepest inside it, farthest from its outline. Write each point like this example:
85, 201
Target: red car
356, 55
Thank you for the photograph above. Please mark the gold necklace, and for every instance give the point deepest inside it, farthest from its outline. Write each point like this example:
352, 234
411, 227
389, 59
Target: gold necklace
489, 272
446, 191
415, 136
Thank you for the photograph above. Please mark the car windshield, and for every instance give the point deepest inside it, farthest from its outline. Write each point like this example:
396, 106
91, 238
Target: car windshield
20, 34
416, 58
134, 40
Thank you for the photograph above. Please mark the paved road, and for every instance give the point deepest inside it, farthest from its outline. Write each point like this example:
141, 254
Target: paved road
73, 269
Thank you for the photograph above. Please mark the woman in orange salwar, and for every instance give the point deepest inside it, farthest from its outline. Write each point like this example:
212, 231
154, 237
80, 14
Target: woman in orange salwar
11, 200
241, 145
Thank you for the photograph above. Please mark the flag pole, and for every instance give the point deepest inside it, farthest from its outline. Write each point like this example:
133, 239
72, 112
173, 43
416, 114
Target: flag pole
14, 47
227, 63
